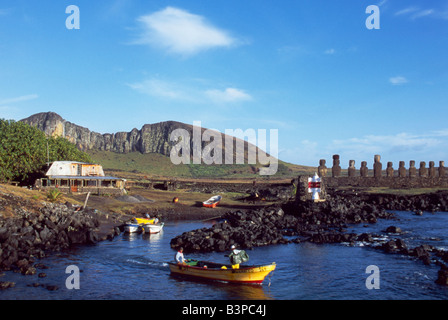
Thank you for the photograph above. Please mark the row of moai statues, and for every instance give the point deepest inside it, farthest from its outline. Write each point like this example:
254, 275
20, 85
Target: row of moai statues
423, 171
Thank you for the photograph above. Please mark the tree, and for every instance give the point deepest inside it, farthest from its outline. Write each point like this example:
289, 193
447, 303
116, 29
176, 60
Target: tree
61, 149
23, 150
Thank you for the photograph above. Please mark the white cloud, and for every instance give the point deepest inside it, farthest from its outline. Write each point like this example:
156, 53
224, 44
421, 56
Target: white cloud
401, 146
414, 13
399, 80
161, 89
330, 51
406, 11
181, 32
181, 91
399, 142
228, 95
423, 13
18, 99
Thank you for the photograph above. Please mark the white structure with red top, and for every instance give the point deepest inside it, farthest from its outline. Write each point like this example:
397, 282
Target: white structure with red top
314, 187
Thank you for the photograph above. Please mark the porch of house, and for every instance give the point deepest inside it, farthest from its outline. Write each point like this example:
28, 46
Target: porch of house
80, 184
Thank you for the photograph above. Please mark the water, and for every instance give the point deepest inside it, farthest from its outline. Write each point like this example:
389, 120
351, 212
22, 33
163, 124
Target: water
134, 267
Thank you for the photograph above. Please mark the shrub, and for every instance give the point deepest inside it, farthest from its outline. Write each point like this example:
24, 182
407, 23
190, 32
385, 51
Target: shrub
53, 195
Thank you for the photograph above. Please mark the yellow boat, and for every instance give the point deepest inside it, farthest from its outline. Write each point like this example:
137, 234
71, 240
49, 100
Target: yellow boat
215, 271
145, 220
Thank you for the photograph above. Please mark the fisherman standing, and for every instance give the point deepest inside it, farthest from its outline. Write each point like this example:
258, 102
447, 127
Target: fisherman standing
179, 258
237, 256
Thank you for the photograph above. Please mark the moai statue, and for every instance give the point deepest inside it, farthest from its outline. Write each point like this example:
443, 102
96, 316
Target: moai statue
431, 170
412, 169
390, 169
322, 169
423, 171
351, 168
442, 171
377, 166
363, 171
336, 170
401, 170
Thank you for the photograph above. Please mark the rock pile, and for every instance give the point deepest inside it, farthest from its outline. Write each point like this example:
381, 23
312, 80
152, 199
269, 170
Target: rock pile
246, 230
431, 202
323, 222
30, 235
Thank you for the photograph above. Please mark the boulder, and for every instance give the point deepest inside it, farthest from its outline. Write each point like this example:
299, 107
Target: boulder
442, 276
6, 284
393, 229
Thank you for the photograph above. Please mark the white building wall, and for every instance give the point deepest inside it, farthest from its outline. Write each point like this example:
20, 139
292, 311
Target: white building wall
70, 168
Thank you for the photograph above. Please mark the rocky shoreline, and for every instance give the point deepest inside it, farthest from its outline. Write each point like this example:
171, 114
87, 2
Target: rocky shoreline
32, 234
323, 222
35, 229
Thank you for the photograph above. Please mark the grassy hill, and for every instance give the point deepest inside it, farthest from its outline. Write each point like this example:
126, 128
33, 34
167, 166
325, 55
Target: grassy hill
145, 152
157, 165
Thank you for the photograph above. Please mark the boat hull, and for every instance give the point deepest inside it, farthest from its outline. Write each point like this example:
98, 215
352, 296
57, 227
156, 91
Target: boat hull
214, 272
210, 205
212, 202
153, 228
131, 228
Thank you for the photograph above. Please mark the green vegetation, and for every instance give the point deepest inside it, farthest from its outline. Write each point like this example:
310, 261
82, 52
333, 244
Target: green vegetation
154, 164
24, 151
53, 195
403, 192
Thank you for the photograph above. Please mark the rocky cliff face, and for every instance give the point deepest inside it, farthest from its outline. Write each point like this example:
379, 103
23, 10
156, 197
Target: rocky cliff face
151, 138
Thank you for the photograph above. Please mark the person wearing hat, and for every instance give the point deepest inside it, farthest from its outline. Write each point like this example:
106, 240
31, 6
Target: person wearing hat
233, 255
237, 256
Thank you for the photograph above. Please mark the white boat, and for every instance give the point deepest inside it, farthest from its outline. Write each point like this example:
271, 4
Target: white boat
132, 227
212, 202
153, 228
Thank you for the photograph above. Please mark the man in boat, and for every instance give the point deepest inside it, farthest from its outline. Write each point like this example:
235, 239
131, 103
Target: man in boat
179, 258
237, 256
156, 220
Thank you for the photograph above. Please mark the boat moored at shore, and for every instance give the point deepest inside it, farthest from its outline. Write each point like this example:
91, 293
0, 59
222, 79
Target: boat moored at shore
153, 228
212, 202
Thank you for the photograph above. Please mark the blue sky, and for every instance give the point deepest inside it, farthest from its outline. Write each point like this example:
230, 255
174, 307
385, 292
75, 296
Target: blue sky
310, 69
